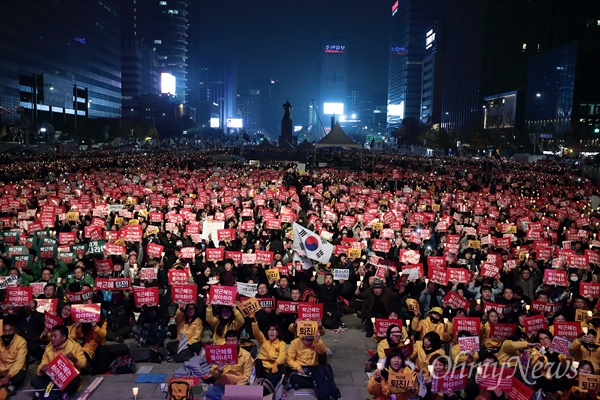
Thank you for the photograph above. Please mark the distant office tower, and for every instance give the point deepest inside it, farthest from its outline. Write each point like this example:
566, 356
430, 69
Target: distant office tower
248, 104
433, 66
161, 25
334, 74
270, 105
410, 21
139, 76
52, 50
215, 89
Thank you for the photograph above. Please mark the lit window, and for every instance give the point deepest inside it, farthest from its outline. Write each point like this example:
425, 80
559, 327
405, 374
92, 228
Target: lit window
524, 46
162, 3
157, 41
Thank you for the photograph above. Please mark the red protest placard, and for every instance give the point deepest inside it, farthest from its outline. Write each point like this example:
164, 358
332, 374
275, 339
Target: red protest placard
468, 344
381, 245
224, 295
236, 256
226, 234
456, 301
49, 305
148, 274
460, 275
439, 276
490, 270
221, 354
154, 250
534, 323
78, 297
450, 382
61, 371
495, 378
556, 277
264, 257
266, 303
38, 287
103, 266
184, 294
381, 325
589, 290
92, 232
19, 296
469, 324
519, 390
187, 253
85, 312
113, 283
543, 307
502, 331
215, 254
437, 262
567, 330
560, 345
179, 276
66, 237
310, 311
145, 296
287, 307
500, 308
51, 320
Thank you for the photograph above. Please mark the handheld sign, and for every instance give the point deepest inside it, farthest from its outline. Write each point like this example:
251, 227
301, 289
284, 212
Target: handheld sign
85, 312
306, 328
224, 353
61, 371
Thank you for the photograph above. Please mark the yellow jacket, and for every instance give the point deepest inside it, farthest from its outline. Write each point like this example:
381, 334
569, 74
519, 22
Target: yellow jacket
425, 326
299, 355
581, 353
270, 353
458, 357
510, 352
97, 337
484, 336
12, 358
70, 346
421, 359
383, 344
237, 374
193, 331
235, 324
383, 388
294, 329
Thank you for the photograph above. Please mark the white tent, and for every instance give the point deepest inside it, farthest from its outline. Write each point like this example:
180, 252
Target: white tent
337, 138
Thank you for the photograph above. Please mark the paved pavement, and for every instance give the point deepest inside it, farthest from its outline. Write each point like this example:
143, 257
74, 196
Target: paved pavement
348, 360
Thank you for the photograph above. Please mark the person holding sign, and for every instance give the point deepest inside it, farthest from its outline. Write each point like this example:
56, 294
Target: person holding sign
554, 362
393, 337
395, 378
60, 343
433, 323
487, 342
13, 355
227, 319
424, 351
237, 374
189, 330
585, 348
271, 354
575, 392
304, 352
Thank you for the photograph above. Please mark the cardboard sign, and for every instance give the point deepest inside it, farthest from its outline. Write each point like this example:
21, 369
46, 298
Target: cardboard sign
460, 275
589, 290
456, 301
306, 328
19, 296
247, 289
61, 371
51, 320
113, 283
400, 381
381, 245
580, 315
439, 276
560, 345
224, 295
341, 273
249, 307
8, 281
147, 274
48, 305
519, 390
567, 330
354, 253
589, 382
79, 297
215, 254
469, 324
145, 296
226, 234
38, 288
382, 324
272, 274
453, 381
85, 312
154, 250
264, 257
502, 331
544, 307
413, 305
287, 307
534, 323
179, 276
556, 277
221, 354
267, 303
187, 253
468, 344
310, 311
496, 378
503, 309
184, 294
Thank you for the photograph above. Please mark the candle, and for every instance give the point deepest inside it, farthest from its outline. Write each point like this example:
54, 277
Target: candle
584, 330
361, 278
575, 364
426, 281
589, 313
478, 301
479, 370
445, 320
358, 284
527, 306
430, 369
380, 366
135, 391
373, 320
408, 323
314, 273
407, 342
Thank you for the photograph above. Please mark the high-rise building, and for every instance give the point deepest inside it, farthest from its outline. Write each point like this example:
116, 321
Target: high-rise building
410, 22
139, 75
161, 25
61, 58
215, 89
248, 104
433, 66
270, 107
334, 73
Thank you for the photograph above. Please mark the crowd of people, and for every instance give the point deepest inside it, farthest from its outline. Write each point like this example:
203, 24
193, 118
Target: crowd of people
475, 279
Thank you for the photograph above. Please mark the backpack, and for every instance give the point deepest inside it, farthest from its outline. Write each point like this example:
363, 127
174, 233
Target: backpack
123, 365
267, 385
325, 387
309, 296
179, 389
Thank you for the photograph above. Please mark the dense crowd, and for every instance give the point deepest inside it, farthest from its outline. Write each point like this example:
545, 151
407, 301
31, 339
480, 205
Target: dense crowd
476, 279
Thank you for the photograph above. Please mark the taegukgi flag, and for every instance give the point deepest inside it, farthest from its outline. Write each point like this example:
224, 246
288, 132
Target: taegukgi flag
311, 244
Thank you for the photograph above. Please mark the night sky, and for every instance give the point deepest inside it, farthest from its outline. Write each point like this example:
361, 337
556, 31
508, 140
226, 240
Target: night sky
280, 39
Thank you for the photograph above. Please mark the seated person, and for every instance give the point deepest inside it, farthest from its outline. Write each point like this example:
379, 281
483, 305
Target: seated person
60, 344
230, 374
304, 352
13, 354
378, 383
190, 326
271, 354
